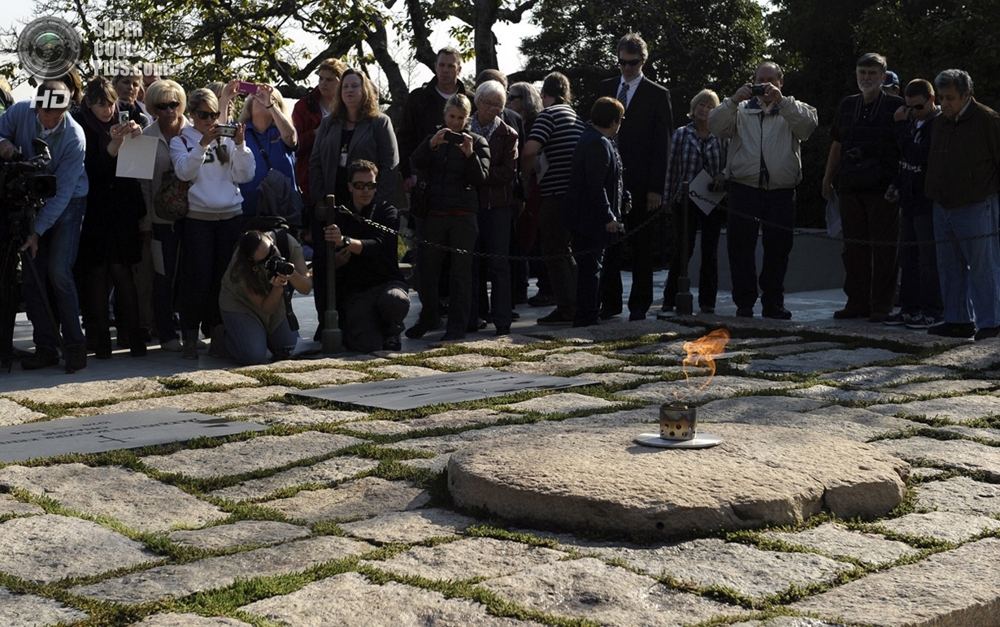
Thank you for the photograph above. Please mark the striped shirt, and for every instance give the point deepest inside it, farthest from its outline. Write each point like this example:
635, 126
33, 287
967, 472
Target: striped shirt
557, 129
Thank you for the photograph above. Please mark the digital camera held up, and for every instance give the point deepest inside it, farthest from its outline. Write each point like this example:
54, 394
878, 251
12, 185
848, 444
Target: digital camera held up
276, 265
758, 89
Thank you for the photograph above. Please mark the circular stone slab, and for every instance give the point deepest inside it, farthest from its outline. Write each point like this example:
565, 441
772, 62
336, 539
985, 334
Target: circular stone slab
598, 478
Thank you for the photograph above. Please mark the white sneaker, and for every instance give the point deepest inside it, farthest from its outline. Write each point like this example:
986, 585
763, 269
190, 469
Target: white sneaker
174, 346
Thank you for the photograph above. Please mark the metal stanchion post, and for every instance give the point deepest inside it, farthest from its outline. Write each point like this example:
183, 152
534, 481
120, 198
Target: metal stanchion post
332, 340
685, 301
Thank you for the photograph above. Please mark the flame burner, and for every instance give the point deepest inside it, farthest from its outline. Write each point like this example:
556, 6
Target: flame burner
678, 429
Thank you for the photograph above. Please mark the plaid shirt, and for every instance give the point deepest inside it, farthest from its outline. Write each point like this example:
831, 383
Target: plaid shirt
689, 154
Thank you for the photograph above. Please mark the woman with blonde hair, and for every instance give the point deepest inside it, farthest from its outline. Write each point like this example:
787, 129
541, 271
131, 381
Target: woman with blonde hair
693, 149
166, 101
271, 138
214, 165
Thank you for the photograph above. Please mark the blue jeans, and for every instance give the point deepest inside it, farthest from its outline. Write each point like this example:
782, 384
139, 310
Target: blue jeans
774, 205
168, 239
57, 249
248, 342
919, 287
589, 263
969, 269
208, 248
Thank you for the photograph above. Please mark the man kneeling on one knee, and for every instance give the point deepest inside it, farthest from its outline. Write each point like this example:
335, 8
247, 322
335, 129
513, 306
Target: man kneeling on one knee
372, 298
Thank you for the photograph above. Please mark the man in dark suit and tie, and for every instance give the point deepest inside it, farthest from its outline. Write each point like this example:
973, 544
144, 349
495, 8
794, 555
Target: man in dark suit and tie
643, 142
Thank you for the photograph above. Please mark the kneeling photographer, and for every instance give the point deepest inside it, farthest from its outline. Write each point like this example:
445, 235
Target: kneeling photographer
252, 300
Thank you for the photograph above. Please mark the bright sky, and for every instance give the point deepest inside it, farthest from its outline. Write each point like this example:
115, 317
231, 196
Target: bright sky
18, 12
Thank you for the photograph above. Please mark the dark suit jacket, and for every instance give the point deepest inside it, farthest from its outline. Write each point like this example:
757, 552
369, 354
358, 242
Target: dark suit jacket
644, 137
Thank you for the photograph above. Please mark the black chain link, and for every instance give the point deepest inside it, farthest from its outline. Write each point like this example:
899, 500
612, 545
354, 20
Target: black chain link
411, 237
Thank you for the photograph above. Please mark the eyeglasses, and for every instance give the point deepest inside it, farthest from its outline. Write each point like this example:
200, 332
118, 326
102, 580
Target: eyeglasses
919, 107
630, 63
207, 115
360, 185
491, 105
163, 106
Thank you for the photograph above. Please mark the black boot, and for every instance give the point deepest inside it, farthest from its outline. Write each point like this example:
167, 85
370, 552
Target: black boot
76, 357
43, 357
101, 341
137, 342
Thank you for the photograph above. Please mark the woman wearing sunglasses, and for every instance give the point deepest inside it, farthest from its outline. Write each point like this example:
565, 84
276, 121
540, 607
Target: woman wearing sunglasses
355, 129
166, 101
214, 165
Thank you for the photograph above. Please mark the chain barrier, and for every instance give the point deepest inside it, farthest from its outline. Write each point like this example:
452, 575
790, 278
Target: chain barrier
409, 236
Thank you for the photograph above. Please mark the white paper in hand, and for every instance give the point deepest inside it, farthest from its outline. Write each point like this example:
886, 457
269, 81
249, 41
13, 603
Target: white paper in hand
136, 157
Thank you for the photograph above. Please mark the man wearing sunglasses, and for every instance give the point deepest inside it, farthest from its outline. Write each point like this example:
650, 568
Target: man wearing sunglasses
919, 289
644, 143
372, 298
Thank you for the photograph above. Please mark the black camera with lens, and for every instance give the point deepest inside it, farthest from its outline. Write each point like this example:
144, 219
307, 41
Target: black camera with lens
758, 89
24, 185
278, 265
854, 155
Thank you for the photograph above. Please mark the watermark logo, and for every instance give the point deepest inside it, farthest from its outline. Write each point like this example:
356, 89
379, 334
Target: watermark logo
51, 99
49, 47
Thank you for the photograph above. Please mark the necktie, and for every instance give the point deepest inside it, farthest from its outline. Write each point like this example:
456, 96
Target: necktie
623, 95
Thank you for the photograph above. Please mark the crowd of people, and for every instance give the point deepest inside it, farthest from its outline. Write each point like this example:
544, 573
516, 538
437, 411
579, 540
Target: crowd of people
238, 205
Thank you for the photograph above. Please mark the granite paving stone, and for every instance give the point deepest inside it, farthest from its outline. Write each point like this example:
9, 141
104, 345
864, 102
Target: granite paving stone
349, 600
361, 498
781, 350
180, 580
324, 376
820, 361
561, 403
978, 356
959, 588
498, 343
745, 342
196, 401
367, 428
920, 472
991, 436
455, 441
961, 454
747, 408
857, 424
624, 329
957, 409
130, 497
745, 569
28, 610
435, 464
563, 362
329, 472
12, 413
877, 377
836, 540
276, 413
189, 620
9, 506
942, 387
222, 378
454, 418
315, 364
961, 495
468, 361
410, 527
612, 378
690, 391
468, 558
259, 453
831, 393
50, 548
654, 370
788, 621
588, 588
239, 533
947, 526
407, 372
89, 392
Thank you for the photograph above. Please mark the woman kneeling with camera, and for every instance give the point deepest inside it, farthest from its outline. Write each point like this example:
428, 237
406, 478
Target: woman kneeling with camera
252, 300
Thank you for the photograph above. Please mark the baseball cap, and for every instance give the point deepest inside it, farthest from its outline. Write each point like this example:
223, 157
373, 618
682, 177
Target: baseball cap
891, 79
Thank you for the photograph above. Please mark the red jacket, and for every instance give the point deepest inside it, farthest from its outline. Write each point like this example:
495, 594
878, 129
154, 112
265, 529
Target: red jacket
306, 117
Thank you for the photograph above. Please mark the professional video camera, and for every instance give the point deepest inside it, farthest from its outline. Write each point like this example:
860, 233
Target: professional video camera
23, 184
24, 187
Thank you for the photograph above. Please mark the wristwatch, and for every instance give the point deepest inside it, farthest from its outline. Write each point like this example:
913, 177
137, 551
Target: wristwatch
347, 241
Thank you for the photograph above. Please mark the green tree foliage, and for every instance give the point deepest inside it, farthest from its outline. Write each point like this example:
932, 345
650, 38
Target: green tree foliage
692, 45
923, 37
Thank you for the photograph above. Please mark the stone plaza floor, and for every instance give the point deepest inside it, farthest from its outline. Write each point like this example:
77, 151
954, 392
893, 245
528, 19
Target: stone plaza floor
340, 515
